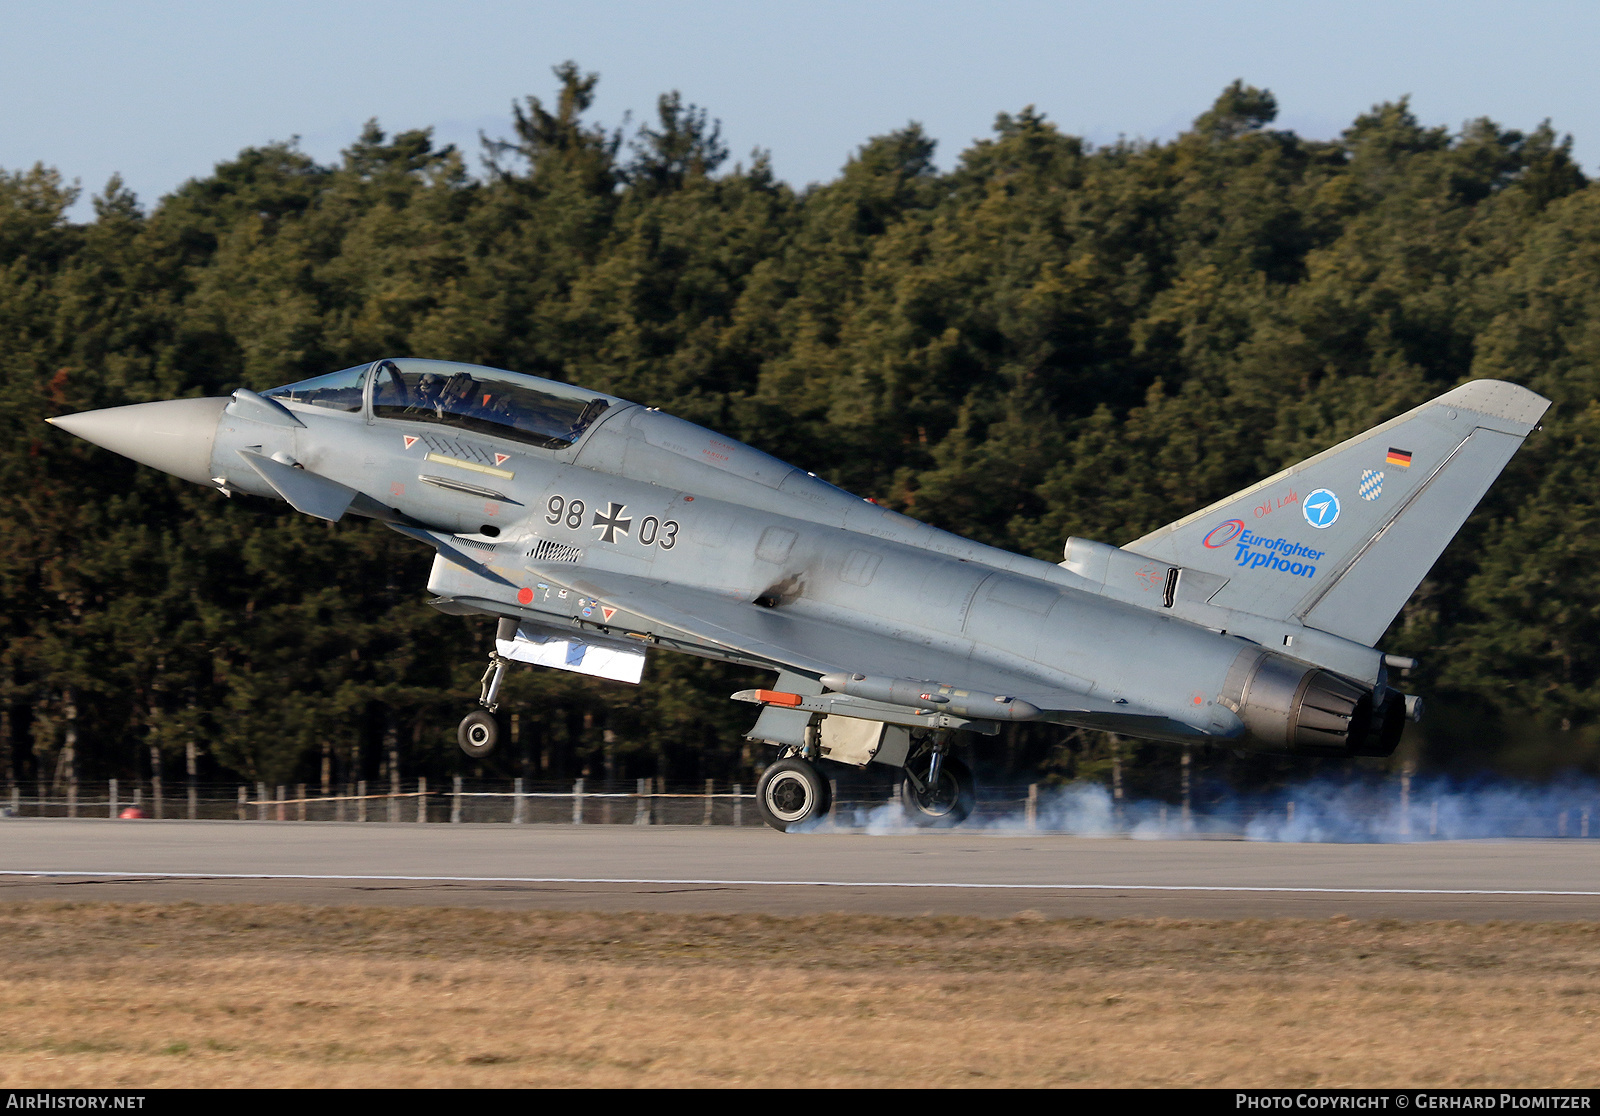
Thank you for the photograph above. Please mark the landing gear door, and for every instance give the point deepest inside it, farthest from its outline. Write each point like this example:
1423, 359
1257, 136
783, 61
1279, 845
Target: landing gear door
858, 743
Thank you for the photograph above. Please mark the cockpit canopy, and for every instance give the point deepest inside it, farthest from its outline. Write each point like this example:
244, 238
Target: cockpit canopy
469, 396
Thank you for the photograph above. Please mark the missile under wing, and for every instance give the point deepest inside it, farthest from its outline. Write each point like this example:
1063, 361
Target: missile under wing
598, 532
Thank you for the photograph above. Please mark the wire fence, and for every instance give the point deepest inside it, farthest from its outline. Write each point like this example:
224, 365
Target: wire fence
517, 801
1389, 812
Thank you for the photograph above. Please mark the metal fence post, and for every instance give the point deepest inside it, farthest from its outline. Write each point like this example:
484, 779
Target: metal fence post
300, 802
1405, 799
641, 802
156, 801
244, 798
261, 802
16, 803
1116, 782
1188, 815
111, 813
516, 802
361, 800
738, 804
1033, 806
455, 803
422, 799
338, 807
281, 797
710, 792
577, 802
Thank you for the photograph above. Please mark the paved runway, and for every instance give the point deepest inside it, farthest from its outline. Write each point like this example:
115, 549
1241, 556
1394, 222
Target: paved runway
683, 868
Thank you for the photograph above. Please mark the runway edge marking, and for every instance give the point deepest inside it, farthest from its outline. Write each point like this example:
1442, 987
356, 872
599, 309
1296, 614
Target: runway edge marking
64, 874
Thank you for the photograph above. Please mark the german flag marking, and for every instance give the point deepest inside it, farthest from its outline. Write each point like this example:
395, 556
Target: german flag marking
1399, 457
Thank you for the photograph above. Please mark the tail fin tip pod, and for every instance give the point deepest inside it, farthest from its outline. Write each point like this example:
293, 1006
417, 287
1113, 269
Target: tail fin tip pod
1341, 540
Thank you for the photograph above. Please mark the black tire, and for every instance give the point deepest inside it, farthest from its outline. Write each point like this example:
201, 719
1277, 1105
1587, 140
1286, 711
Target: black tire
792, 793
478, 733
948, 804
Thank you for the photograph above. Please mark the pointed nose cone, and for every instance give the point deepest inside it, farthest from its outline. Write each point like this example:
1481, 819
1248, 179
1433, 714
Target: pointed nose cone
175, 435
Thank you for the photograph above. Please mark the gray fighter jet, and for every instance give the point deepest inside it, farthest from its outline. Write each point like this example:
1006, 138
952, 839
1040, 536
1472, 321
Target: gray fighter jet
597, 530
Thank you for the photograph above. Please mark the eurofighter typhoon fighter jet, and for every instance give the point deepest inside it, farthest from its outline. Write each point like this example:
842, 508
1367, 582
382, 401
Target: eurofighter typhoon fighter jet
596, 530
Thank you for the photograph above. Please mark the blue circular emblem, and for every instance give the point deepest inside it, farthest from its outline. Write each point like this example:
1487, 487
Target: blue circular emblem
1321, 509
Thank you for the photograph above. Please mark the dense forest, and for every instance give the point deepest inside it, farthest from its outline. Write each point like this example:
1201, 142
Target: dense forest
1049, 339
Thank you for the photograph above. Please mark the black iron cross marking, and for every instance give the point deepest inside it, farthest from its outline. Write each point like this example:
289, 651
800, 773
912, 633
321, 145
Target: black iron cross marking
612, 522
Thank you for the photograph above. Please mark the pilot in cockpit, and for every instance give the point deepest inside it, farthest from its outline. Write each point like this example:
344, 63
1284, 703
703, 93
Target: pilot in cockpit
428, 392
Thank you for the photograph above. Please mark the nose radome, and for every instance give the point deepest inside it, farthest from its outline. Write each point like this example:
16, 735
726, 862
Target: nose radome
174, 435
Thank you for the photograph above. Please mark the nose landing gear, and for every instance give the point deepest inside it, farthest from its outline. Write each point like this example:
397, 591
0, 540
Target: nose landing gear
479, 730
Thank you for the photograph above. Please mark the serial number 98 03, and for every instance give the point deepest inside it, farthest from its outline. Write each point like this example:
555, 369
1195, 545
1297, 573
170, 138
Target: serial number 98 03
612, 523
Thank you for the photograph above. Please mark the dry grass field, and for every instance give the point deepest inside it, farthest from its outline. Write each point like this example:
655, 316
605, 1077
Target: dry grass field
126, 995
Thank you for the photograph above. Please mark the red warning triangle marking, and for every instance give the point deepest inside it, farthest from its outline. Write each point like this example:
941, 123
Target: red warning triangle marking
410, 439
607, 611
501, 458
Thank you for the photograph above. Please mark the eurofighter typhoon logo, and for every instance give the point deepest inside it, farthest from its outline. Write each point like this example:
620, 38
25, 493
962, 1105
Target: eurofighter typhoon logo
1224, 533
1257, 552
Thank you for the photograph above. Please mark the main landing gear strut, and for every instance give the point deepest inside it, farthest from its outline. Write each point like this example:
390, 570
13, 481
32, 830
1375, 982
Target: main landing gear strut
936, 788
940, 795
479, 731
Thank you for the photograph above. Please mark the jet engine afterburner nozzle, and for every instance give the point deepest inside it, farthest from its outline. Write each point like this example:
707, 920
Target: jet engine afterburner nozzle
174, 435
1293, 708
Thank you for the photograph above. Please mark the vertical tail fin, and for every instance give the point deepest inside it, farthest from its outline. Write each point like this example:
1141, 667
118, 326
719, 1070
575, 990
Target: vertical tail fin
1341, 540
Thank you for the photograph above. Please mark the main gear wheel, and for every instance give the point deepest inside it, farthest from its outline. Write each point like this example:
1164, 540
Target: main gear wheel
791, 794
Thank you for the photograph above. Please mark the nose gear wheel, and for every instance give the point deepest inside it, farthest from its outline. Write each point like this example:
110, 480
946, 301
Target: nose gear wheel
478, 734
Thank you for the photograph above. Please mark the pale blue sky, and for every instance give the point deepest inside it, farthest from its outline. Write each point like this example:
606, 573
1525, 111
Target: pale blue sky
161, 91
